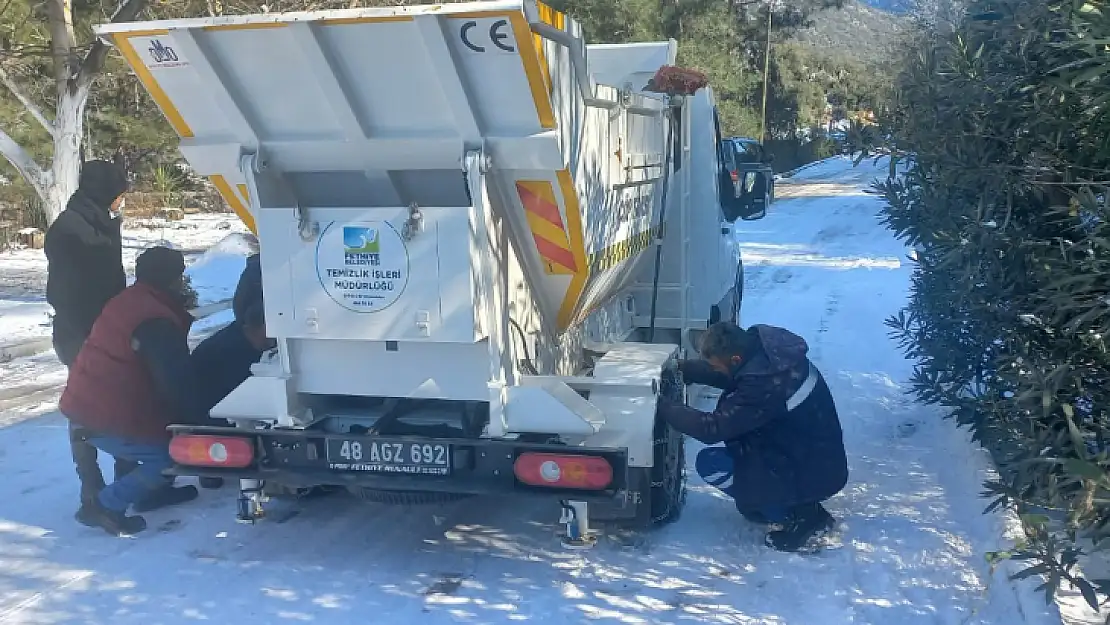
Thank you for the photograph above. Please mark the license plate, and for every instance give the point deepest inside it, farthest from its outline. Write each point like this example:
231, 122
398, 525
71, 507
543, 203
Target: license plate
384, 456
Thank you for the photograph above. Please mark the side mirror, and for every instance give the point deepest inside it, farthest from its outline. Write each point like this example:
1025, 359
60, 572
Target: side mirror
752, 203
743, 208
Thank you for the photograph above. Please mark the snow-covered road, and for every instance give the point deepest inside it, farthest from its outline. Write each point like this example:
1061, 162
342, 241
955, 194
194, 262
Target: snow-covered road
912, 544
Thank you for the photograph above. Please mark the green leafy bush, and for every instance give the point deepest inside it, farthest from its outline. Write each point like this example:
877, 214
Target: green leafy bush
1003, 123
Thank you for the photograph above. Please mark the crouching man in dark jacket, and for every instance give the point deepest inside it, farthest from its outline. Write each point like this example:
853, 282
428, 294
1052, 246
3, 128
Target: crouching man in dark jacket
223, 361
783, 450
130, 380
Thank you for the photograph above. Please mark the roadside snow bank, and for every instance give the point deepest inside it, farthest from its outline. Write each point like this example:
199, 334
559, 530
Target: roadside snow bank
23, 320
215, 274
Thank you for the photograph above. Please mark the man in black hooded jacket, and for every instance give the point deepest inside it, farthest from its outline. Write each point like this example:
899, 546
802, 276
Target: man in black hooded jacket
84, 252
783, 450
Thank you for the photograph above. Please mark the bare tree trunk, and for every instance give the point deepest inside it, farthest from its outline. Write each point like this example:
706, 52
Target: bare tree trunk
69, 108
69, 125
73, 79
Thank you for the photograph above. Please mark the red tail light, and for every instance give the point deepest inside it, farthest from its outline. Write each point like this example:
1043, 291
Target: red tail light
196, 450
735, 175
563, 471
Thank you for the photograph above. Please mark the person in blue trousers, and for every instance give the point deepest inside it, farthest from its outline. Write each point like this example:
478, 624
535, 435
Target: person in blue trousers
131, 379
777, 448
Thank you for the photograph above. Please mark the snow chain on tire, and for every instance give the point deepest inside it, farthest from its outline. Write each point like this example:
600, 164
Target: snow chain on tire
674, 481
668, 475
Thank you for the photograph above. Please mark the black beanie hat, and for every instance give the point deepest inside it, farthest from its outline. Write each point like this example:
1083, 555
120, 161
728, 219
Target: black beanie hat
160, 267
102, 181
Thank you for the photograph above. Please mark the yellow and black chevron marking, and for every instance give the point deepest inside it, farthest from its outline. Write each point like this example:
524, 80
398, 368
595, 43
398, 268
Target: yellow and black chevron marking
623, 250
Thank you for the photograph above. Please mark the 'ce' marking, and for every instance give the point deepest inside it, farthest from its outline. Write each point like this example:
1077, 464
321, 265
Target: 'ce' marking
496, 36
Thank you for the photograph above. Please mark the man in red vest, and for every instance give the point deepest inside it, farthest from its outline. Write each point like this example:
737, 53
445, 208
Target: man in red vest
130, 380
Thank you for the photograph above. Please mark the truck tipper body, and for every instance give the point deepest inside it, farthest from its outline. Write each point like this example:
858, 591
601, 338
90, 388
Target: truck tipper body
484, 245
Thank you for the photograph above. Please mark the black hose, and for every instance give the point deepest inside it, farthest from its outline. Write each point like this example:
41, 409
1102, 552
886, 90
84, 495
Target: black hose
662, 224
531, 367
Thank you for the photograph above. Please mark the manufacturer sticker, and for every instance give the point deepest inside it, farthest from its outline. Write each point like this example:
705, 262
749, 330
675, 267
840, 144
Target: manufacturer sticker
160, 53
363, 267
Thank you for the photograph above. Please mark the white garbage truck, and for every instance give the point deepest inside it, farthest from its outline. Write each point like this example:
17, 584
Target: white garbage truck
484, 244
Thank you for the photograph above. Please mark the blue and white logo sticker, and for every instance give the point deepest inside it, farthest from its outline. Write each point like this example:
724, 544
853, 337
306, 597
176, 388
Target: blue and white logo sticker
363, 267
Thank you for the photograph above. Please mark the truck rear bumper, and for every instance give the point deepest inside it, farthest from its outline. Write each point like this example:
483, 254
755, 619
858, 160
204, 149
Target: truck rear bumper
298, 459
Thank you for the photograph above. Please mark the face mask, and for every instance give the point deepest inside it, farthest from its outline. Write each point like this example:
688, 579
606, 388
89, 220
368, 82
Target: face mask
115, 214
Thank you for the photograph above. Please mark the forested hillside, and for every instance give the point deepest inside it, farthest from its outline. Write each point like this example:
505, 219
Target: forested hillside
724, 38
857, 31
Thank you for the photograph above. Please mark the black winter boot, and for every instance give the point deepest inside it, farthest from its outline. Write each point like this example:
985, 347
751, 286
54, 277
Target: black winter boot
88, 471
92, 514
84, 514
165, 497
89, 491
806, 522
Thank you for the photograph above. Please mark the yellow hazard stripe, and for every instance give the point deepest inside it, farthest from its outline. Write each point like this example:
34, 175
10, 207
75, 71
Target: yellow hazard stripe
529, 58
532, 69
544, 228
566, 316
553, 18
234, 202
173, 116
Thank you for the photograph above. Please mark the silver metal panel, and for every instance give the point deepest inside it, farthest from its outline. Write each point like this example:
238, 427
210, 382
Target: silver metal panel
390, 76
260, 65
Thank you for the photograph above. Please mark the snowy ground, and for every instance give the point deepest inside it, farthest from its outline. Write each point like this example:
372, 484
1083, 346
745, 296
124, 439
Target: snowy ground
912, 543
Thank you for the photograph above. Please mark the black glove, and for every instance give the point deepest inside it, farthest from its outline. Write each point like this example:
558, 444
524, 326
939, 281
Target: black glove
670, 410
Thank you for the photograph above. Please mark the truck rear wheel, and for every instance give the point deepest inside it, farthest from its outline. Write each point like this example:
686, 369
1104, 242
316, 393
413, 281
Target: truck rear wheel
668, 476
668, 469
662, 487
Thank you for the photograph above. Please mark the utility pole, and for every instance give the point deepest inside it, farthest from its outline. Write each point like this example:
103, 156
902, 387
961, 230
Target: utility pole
766, 69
